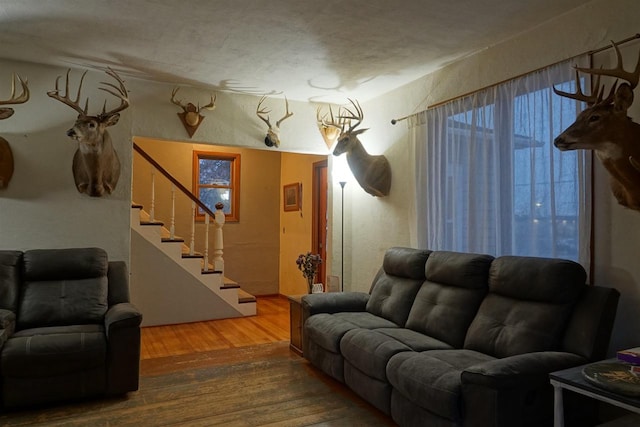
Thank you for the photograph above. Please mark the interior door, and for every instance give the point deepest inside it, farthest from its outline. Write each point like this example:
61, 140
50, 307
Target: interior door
319, 237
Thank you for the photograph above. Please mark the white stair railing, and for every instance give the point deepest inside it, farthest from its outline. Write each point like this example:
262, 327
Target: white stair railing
217, 217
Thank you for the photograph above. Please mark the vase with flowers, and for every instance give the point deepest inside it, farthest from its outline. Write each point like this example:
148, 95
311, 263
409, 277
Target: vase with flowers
308, 263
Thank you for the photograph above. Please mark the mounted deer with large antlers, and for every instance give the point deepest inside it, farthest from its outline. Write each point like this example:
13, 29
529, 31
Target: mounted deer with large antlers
6, 156
373, 173
273, 133
605, 128
96, 167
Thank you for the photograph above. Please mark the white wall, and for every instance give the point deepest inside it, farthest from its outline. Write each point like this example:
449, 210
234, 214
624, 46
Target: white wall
617, 231
41, 208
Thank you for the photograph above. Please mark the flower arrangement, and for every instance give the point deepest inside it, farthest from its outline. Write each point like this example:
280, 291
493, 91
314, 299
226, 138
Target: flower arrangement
308, 263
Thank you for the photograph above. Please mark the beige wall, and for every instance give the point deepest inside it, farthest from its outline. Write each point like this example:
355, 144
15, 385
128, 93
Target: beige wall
295, 230
251, 246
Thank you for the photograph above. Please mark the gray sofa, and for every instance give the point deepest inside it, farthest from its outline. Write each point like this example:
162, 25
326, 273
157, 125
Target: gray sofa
67, 329
459, 339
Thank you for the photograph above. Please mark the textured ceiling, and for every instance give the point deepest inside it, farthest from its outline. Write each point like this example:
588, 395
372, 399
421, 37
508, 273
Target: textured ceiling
322, 51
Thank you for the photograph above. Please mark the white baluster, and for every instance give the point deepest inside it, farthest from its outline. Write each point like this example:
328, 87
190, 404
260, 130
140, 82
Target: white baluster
172, 228
206, 242
193, 228
152, 211
218, 244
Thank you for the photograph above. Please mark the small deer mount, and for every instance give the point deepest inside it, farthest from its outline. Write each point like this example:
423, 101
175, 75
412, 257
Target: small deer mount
190, 116
329, 131
373, 173
96, 167
6, 156
605, 128
272, 139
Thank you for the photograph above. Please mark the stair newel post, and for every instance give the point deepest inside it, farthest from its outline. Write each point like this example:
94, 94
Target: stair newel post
193, 228
218, 245
206, 242
152, 211
172, 228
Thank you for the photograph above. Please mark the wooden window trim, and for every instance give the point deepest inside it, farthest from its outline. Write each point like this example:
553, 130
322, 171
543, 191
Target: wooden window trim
234, 214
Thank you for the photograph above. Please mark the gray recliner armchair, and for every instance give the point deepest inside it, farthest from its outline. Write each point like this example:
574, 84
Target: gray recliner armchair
67, 328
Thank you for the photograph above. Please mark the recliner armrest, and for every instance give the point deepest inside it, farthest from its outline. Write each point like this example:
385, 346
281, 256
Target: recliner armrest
523, 370
123, 315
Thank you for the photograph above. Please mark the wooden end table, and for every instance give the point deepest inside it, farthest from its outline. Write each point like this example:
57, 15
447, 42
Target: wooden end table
296, 331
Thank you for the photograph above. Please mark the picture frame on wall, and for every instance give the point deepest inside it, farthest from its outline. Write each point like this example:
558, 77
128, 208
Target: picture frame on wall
292, 196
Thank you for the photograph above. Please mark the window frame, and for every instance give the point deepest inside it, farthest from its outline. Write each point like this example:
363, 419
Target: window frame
234, 186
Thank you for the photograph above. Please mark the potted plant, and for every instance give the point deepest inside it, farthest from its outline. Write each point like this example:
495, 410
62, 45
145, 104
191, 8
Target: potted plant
308, 263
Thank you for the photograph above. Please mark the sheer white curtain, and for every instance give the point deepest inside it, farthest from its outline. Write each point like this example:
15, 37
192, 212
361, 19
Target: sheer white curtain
488, 178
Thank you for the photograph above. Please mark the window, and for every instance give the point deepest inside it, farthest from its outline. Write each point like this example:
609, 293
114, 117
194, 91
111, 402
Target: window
489, 179
216, 178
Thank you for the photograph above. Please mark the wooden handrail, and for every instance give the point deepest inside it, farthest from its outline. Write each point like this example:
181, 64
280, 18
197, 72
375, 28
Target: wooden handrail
175, 182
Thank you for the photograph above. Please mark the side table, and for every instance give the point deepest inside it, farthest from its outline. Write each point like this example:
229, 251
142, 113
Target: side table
295, 323
572, 379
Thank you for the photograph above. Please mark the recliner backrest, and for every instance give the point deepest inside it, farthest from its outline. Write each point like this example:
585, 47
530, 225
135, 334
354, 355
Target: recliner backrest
63, 287
10, 278
529, 303
396, 284
448, 300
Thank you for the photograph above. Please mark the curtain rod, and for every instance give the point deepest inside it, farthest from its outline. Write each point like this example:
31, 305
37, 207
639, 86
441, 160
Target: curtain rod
590, 52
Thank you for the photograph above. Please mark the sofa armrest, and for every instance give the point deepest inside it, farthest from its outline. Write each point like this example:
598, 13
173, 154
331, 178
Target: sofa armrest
334, 302
122, 325
523, 370
123, 315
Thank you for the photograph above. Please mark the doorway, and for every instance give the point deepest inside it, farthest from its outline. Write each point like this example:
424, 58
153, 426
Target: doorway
319, 227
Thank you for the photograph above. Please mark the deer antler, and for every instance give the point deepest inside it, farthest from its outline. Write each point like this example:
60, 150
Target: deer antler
263, 110
119, 91
287, 114
359, 115
594, 98
23, 97
619, 72
55, 94
212, 105
173, 98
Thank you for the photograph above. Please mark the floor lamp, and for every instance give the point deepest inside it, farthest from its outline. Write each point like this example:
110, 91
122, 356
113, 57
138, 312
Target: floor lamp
342, 184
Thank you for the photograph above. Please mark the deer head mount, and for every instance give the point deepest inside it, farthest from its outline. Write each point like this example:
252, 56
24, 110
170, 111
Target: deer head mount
373, 173
96, 167
327, 126
190, 116
6, 156
273, 133
605, 128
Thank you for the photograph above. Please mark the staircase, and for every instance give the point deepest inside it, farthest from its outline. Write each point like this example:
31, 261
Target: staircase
171, 286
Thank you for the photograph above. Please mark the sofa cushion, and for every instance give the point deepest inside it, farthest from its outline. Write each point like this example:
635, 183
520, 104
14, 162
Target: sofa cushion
529, 303
448, 300
369, 351
416, 341
431, 379
63, 302
326, 330
49, 352
396, 284
63, 287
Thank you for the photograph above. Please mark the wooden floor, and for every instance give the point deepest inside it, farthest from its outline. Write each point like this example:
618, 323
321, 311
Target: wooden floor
271, 324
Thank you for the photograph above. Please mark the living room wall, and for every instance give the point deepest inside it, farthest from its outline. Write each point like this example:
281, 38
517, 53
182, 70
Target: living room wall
617, 230
41, 208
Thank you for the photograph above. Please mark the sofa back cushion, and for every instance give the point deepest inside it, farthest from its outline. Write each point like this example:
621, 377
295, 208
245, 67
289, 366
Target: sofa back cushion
63, 287
448, 300
528, 306
396, 284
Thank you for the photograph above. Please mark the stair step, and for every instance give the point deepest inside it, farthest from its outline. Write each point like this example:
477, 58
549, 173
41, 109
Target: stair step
136, 206
170, 240
156, 223
230, 286
195, 255
245, 297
